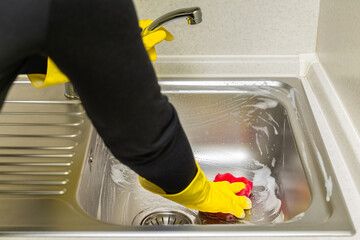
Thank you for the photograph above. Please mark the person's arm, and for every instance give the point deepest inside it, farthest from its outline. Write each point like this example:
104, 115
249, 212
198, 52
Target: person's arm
98, 45
34, 64
43, 72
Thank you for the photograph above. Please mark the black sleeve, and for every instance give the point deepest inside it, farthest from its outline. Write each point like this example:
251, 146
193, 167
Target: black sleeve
36, 63
23, 25
97, 44
23, 31
6, 79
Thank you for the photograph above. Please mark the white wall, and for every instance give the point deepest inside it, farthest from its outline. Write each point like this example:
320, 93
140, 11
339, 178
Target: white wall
239, 27
339, 51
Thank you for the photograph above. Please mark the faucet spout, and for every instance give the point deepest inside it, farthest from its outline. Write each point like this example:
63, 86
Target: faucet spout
193, 15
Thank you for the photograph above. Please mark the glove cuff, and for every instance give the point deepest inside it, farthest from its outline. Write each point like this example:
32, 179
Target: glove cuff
195, 190
53, 76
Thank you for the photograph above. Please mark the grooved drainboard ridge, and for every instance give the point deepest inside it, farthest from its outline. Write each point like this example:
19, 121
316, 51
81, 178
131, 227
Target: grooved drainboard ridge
35, 177
33, 192
25, 181
37, 148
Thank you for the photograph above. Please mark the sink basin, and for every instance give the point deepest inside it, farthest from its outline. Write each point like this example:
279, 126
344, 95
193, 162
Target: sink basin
263, 130
57, 177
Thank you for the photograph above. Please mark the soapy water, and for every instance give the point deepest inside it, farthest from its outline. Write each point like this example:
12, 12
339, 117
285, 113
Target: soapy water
266, 204
120, 174
264, 120
273, 162
327, 179
264, 197
251, 111
265, 201
264, 103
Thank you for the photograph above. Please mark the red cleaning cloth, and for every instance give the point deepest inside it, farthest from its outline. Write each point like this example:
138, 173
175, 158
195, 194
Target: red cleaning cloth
231, 179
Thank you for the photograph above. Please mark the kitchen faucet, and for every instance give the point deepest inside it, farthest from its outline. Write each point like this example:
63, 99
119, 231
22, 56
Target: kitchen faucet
192, 14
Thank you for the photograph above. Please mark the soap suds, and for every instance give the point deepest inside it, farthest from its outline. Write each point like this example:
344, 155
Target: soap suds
119, 172
305, 161
273, 162
258, 143
268, 122
265, 104
328, 180
266, 197
291, 96
263, 130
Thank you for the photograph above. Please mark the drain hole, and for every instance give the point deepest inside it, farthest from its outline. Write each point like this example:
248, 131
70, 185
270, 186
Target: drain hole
165, 218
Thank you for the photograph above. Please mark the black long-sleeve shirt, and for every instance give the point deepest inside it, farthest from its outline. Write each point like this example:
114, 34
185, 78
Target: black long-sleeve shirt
97, 44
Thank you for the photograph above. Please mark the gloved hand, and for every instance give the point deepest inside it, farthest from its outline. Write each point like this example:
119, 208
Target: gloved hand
151, 38
207, 196
54, 76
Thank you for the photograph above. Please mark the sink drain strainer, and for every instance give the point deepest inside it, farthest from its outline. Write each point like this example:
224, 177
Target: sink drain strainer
162, 217
166, 218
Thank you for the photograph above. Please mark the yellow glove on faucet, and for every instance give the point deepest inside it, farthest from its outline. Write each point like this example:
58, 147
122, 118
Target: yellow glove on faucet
54, 76
207, 196
151, 38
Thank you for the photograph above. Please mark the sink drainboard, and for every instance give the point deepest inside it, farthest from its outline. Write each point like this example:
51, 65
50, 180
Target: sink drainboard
58, 179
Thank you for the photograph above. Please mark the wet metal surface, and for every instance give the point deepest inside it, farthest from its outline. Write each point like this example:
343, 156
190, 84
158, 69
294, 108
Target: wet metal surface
262, 130
58, 179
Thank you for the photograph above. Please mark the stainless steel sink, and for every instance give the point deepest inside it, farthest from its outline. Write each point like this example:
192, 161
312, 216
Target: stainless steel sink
66, 182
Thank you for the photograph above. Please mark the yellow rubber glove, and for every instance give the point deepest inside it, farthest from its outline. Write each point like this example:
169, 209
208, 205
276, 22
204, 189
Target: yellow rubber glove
207, 196
54, 76
151, 38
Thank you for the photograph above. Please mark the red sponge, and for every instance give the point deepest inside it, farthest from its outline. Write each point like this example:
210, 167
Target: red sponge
231, 179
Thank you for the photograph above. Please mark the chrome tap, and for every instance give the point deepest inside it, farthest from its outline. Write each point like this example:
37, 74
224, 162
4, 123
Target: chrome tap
193, 15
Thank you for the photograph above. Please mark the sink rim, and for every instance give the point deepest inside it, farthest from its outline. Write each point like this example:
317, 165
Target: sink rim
90, 226
317, 229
